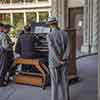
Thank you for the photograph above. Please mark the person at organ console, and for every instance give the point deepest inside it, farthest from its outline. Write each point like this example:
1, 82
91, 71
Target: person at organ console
25, 43
29, 46
24, 46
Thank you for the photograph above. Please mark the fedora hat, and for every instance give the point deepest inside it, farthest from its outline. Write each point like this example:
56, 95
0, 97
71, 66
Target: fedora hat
52, 20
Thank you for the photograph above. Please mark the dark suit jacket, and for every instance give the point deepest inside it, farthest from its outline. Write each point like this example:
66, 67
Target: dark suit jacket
25, 45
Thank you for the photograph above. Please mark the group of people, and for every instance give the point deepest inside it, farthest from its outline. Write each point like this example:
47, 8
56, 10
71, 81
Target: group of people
58, 47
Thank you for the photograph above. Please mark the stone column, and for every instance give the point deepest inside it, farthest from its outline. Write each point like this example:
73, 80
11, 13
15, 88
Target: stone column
11, 18
66, 13
49, 2
54, 8
60, 10
89, 44
37, 16
25, 19
24, 1
98, 45
95, 29
49, 12
62, 13
98, 23
85, 27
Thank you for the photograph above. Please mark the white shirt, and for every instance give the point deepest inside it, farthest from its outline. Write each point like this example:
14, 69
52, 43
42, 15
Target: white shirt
3, 40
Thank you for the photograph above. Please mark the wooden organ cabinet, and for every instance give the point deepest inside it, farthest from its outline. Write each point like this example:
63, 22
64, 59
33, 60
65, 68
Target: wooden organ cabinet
72, 69
41, 78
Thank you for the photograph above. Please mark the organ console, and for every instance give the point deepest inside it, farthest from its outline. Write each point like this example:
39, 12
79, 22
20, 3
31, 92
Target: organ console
41, 62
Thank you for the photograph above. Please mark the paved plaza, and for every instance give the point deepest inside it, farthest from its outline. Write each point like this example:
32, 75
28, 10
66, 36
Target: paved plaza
86, 89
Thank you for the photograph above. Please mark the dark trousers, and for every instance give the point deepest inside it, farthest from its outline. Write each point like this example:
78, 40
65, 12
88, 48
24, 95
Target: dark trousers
29, 68
3, 65
10, 60
34, 55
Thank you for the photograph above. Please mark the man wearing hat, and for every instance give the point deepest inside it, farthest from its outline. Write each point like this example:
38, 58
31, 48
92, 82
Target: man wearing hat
10, 54
58, 44
3, 56
6, 30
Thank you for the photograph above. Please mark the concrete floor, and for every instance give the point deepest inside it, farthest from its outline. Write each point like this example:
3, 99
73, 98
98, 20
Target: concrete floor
86, 89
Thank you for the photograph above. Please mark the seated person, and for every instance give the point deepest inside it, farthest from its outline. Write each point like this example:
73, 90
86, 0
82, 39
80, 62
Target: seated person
25, 45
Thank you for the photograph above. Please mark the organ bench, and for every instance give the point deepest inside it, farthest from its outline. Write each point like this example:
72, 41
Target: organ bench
37, 79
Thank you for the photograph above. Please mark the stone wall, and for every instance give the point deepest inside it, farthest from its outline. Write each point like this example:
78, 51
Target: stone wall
60, 10
90, 30
75, 3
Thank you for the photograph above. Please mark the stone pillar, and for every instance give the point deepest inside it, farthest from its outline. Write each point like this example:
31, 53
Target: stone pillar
11, 18
25, 19
55, 8
49, 2
89, 43
85, 27
60, 10
66, 13
49, 12
95, 30
24, 1
37, 16
10, 1
98, 23
98, 45
62, 13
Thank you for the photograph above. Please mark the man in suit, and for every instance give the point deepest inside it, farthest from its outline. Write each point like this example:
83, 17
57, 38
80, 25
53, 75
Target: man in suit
58, 44
3, 56
10, 53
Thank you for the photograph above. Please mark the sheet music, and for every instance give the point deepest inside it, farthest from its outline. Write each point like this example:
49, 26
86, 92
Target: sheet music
40, 29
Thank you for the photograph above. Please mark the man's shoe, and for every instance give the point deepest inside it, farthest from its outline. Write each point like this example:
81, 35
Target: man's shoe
4, 83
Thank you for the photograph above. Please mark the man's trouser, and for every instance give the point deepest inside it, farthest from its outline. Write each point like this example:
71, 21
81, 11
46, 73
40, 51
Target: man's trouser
3, 65
59, 77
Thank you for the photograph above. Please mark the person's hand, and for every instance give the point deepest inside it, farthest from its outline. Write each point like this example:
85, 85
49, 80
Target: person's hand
16, 55
61, 62
11, 44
